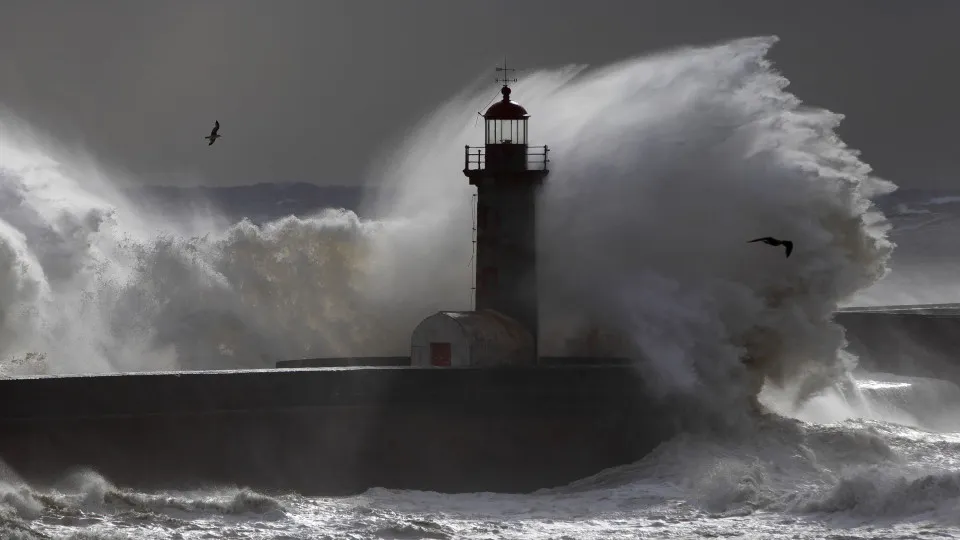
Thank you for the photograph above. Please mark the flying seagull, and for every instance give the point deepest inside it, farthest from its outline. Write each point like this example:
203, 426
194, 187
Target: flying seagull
769, 240
213, 133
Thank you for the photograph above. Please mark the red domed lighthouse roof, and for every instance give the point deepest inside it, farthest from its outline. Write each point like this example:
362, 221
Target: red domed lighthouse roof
506, 109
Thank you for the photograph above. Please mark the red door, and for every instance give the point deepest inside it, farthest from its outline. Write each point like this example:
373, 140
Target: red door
440, 354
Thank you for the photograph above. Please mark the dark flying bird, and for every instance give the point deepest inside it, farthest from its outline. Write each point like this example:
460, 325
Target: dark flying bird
213, 133
769, 240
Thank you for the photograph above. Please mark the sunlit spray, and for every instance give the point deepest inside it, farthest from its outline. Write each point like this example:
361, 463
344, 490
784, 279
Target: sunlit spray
662, 168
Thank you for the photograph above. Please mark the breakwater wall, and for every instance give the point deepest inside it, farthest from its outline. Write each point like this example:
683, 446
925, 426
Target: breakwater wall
905, 340
331, 431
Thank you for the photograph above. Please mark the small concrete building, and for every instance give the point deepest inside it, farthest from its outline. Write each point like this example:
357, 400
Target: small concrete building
483, 338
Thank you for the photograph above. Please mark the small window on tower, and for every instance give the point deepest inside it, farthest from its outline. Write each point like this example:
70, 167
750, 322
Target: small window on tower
492, 220
482, 216
489, 278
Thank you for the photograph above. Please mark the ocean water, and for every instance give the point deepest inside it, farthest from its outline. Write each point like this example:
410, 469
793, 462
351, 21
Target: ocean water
663, 166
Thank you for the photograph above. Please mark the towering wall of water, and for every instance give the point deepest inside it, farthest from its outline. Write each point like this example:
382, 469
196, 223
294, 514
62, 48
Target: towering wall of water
663, 167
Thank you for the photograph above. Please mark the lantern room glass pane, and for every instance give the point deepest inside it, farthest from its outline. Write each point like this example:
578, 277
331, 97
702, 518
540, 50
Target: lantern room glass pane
506, 132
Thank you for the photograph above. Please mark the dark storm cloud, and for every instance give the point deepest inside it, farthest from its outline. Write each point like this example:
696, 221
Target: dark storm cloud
309, 90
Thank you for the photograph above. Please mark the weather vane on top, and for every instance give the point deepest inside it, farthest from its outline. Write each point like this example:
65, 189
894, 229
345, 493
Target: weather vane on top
506, 73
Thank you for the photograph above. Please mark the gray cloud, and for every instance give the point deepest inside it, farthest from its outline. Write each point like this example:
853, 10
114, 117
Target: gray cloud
312, 90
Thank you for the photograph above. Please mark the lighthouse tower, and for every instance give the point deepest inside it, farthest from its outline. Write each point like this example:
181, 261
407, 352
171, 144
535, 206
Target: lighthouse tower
508, 173
503, 328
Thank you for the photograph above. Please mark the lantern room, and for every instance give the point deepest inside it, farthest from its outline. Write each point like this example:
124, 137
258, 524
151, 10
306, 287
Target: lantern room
506, 121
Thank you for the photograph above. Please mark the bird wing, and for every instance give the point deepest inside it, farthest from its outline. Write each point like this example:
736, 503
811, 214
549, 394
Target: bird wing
764, 239
789, 246
216, 127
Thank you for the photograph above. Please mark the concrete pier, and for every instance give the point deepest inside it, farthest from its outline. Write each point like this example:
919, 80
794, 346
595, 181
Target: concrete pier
334, 430
918, 341
342, 430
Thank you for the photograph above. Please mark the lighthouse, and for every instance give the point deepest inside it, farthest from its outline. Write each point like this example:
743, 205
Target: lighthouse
504, 326
508, 173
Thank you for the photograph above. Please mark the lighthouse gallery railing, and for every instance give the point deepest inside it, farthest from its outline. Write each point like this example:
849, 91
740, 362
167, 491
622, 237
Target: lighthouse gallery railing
475, 158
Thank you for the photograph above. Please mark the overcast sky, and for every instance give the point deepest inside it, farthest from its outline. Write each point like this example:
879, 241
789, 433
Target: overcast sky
308, 90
